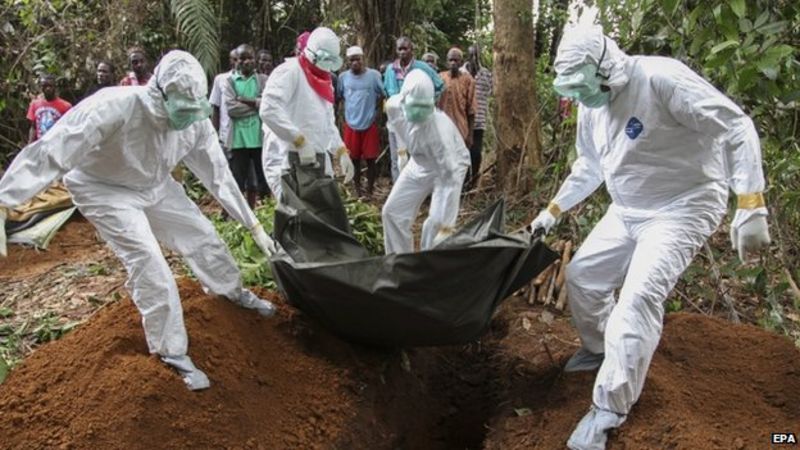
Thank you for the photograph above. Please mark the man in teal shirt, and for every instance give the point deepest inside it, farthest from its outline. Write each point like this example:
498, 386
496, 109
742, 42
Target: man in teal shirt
393, 81
242, 97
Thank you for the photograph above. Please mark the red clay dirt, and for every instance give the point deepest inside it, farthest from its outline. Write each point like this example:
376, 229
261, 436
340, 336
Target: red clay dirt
75, 241
712, 385
283, 383
98, 387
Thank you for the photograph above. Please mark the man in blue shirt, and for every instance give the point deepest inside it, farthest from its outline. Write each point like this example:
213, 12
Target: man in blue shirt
393, 81
361, 90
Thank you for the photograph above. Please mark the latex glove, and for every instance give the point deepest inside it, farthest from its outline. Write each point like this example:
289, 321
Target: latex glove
3, 250
264, 242
402, 158
545, 220
750, 236
307, 154
346, 164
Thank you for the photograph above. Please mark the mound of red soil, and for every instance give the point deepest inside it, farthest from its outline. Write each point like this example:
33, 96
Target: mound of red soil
282, 383
98, 387
712, 385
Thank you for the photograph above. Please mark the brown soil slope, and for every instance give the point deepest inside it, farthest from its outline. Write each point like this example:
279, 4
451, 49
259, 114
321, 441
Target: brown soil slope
712, 385
98, 387
282, 383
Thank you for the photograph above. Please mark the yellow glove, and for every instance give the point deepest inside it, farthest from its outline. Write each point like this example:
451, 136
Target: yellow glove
402, 158
299, 141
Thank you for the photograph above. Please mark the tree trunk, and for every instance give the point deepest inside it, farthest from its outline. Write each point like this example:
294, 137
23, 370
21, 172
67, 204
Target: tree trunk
516, 117
381, 22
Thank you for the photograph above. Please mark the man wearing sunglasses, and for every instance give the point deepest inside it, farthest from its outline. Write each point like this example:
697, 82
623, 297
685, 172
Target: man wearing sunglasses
668, 146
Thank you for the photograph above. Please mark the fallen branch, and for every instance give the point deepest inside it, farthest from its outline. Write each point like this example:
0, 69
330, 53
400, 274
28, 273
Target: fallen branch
792, 285
690, 302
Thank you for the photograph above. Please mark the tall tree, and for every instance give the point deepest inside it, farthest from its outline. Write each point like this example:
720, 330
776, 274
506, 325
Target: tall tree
516, 117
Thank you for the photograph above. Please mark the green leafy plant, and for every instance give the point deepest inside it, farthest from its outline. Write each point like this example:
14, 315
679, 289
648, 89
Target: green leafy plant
198, 26
365, 221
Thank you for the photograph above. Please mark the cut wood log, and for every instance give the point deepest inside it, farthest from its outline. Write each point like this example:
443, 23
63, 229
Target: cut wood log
546, 289
562, 299
566, 255
531, 293
542, 277
551, 289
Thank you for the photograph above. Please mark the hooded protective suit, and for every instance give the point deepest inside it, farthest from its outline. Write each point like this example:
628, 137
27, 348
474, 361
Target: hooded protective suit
438, 163
116, 150
668, 146
297, 118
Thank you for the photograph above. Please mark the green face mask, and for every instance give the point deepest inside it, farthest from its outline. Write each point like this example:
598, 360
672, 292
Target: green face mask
583, 86
183, 111
416, 111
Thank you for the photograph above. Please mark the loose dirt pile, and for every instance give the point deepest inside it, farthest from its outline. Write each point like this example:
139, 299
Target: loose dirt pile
283, 383
98, 387
712, 384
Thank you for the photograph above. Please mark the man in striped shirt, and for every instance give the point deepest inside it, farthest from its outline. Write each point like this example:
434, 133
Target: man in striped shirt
483, 89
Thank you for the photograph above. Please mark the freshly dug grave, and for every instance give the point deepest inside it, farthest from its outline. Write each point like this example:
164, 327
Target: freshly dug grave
712, 385
283, 383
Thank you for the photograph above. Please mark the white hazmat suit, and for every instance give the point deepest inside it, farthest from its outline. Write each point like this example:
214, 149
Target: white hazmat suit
437, 159
296, 118
116, 150
667, 145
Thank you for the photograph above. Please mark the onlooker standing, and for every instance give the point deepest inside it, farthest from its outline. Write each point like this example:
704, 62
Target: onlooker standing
45, 110
242, 96
361, 90
140, 69
483, 90
219, 114
393, 81
458, 100
105, 78
432, 59
265, 63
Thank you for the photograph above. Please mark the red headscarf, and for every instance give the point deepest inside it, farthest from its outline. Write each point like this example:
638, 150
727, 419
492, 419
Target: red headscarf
301, 42
318, 79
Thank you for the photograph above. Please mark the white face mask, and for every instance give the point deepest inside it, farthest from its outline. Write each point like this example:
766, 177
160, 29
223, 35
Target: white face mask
325, 60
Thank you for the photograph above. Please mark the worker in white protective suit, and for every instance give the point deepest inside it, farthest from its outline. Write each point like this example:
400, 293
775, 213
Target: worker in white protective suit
433, 161
667, 145
297, 111
116, 150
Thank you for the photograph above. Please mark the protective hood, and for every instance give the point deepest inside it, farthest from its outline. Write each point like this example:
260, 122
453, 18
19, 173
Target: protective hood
323, 49
588, 45
417, 96
178, 73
